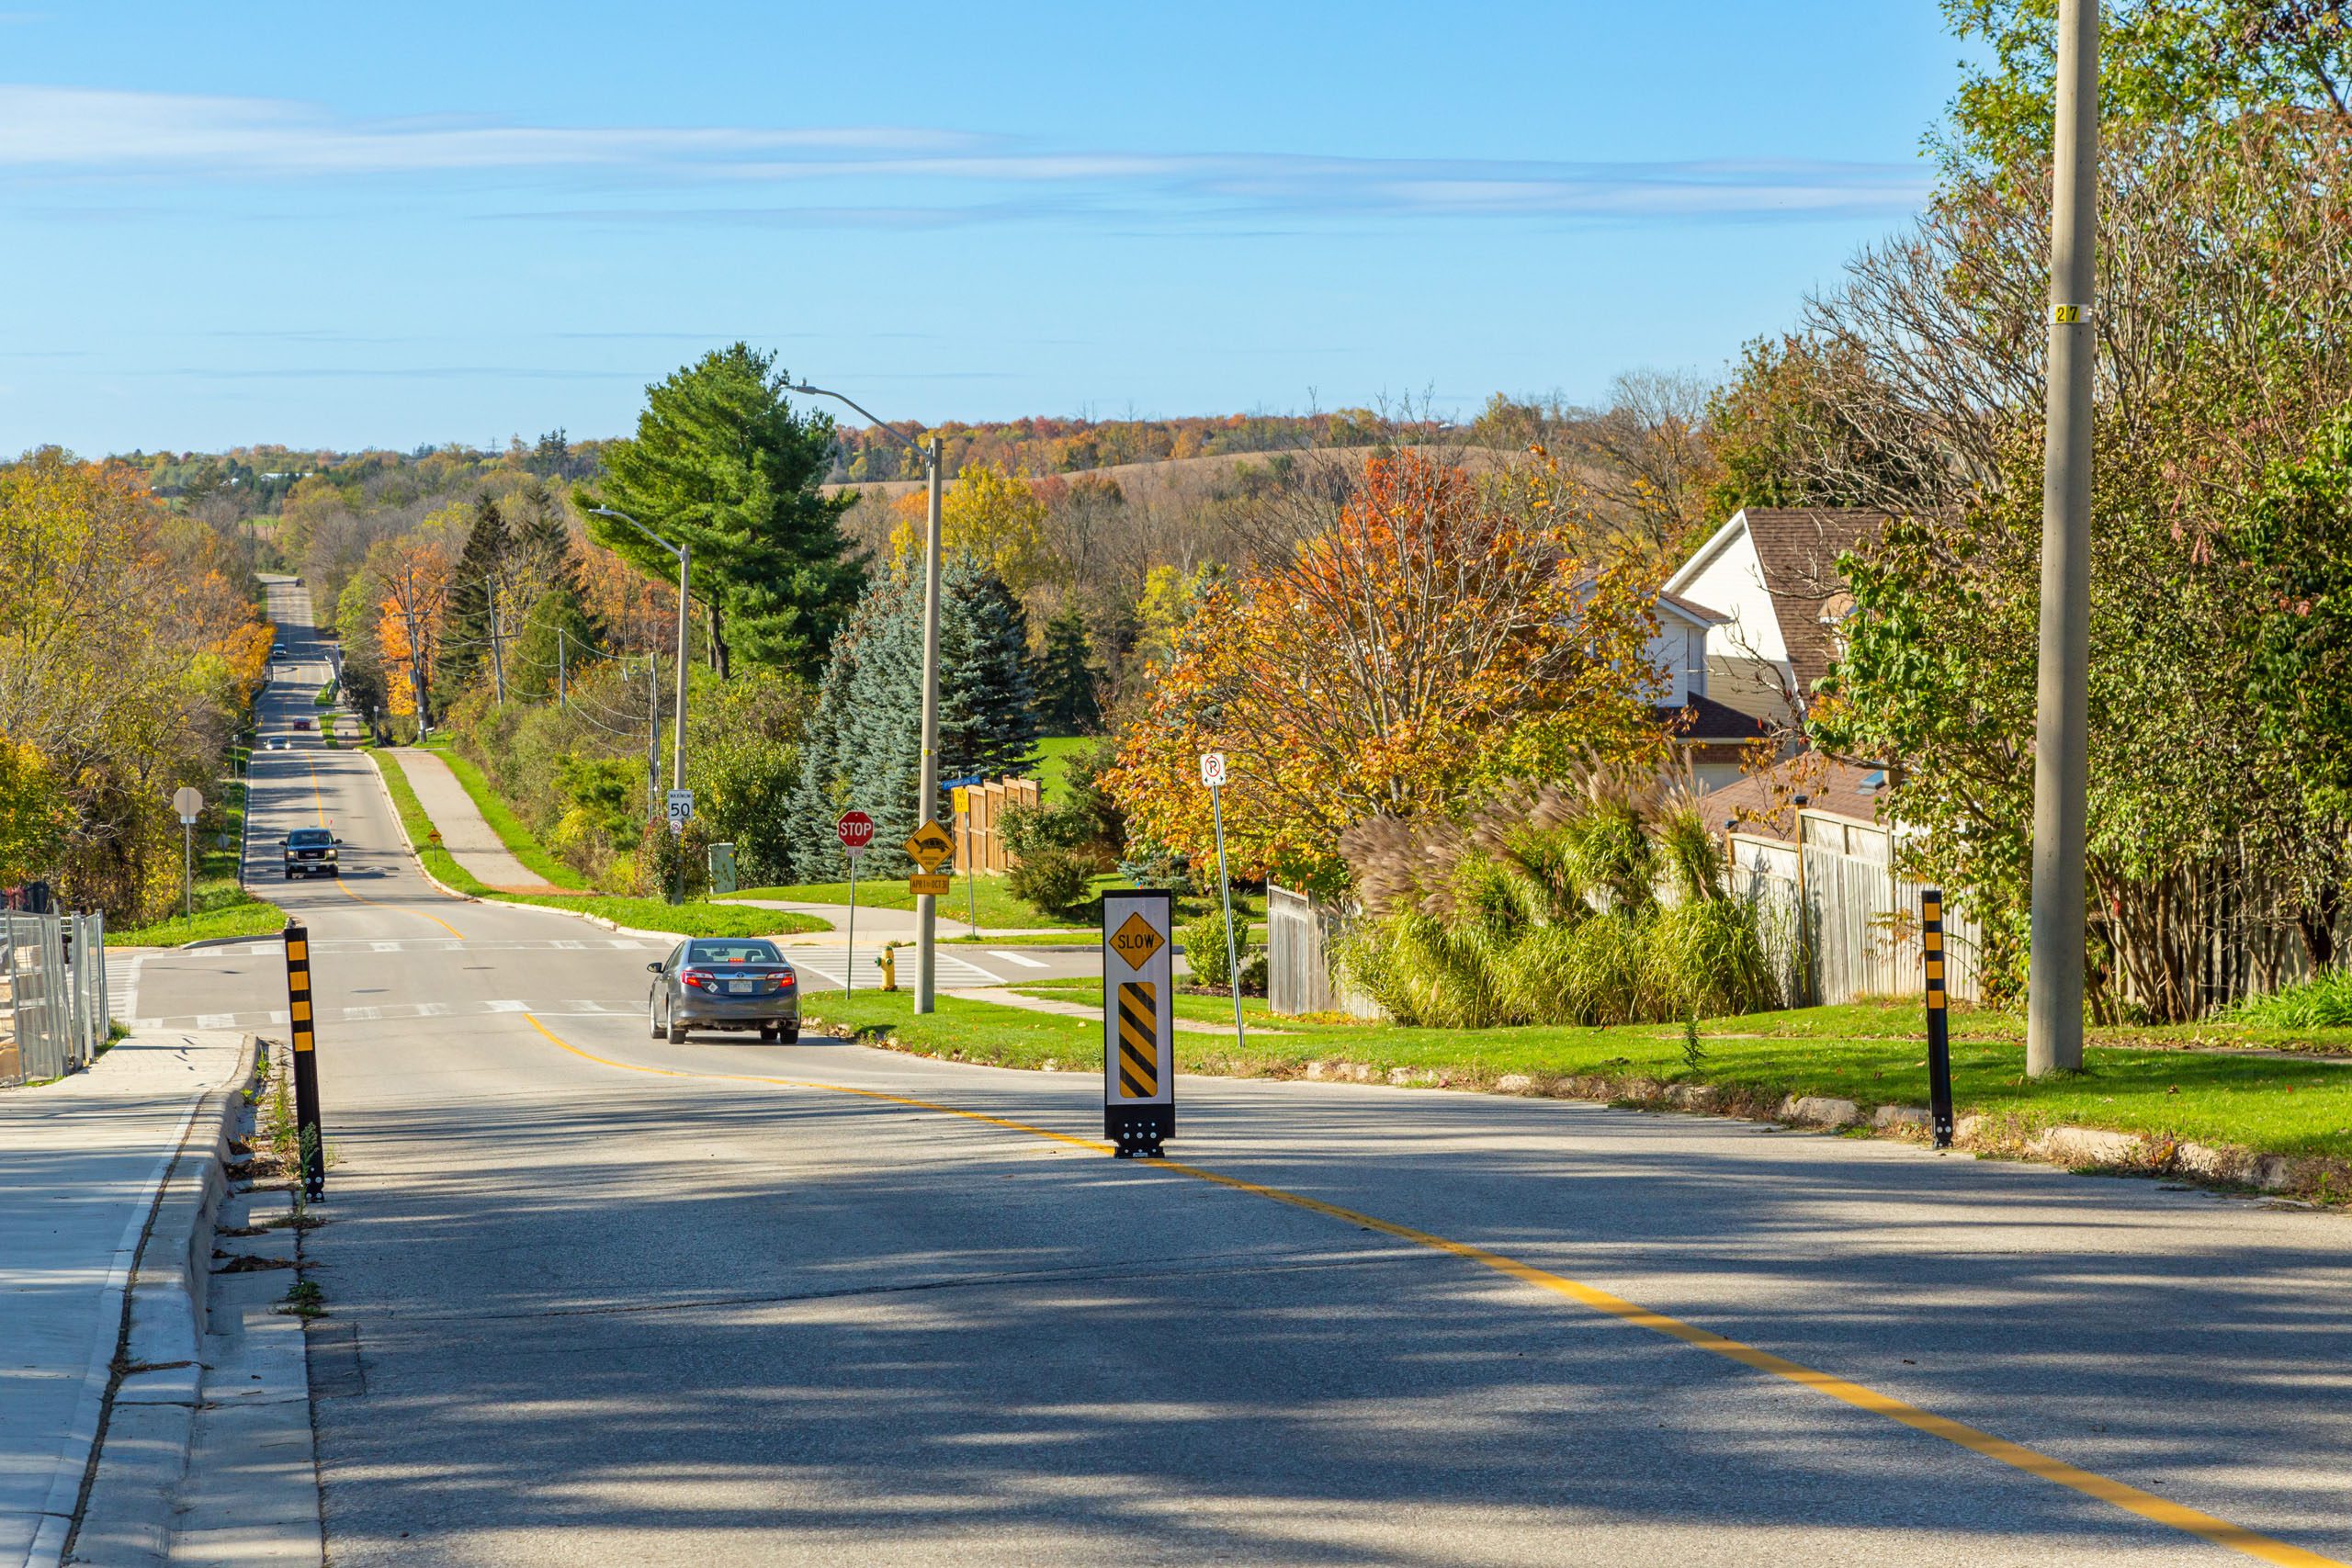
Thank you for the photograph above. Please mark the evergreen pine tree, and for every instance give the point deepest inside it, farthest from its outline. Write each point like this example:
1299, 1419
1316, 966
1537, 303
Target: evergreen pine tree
1065, 675
721, 464
481, 569
863, 744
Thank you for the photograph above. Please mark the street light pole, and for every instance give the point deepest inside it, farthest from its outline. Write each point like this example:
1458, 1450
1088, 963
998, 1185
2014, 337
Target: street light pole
926, 905
2061, 726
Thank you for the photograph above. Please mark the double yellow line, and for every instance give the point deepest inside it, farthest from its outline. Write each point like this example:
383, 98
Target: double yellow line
2131, 1499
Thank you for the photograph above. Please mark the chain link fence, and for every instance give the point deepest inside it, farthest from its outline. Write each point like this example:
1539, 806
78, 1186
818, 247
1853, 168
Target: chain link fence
53, 1004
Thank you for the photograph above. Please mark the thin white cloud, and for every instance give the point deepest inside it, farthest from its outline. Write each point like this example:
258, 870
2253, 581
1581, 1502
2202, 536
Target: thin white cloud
964, 178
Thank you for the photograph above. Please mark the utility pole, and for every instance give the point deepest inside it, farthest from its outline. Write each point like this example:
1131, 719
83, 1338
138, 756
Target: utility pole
497, 659
562, 686
2062, 743
686, 554
926, 905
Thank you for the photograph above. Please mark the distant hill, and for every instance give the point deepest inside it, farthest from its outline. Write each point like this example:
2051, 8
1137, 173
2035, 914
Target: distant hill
1042, 446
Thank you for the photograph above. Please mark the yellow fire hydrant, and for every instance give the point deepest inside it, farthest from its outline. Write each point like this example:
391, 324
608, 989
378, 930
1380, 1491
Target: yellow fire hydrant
887, 962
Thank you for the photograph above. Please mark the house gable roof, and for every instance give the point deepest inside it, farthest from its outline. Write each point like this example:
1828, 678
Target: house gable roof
1796, 551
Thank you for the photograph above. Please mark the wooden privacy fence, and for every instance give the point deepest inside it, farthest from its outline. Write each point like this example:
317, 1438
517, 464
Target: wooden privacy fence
1840, 927
1301, 936
980, 834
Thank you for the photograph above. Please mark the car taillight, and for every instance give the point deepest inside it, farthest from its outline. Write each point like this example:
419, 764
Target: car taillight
698, 978
784, 981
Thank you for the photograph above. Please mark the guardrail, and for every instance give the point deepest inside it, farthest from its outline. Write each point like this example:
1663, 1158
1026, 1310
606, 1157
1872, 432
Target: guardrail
53, 1003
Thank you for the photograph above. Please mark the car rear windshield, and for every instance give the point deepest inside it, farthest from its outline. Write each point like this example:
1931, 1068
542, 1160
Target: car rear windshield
733, 952
309, 838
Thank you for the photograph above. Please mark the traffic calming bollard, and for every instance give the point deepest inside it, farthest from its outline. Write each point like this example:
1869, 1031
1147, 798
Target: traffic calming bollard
1931, 943
310, 1141
1138, 1021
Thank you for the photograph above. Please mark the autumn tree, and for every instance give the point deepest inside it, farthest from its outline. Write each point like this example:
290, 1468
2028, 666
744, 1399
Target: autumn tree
1437, 638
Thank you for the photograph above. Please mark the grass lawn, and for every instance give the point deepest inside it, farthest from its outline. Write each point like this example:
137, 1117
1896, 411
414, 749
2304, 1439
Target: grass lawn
998, 906
224, 908
1054, 753
520, 842
644, 914
1871, 1053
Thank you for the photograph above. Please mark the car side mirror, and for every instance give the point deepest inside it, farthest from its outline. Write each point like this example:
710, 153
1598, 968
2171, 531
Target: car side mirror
653, 968
283, 842
334, 840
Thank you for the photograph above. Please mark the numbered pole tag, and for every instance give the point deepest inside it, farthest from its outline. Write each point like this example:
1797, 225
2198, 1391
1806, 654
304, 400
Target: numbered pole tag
1138, 1021
2069, 315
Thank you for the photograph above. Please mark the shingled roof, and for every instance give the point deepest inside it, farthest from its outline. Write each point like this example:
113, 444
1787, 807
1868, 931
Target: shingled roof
1798, 549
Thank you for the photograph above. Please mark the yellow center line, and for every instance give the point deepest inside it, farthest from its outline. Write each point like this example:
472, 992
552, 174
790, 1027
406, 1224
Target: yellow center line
2131, 1499
320, 796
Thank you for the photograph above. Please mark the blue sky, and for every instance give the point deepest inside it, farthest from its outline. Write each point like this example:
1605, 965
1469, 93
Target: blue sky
383, 225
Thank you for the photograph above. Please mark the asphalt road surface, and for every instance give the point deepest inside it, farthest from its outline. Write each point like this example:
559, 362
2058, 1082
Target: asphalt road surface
628, 1303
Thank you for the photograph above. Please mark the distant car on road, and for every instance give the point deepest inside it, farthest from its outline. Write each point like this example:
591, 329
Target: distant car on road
278, 650
304, 723
310, 851
724, 983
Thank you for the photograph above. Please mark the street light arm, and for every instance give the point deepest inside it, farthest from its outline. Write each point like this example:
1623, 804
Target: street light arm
909, 442
608, 511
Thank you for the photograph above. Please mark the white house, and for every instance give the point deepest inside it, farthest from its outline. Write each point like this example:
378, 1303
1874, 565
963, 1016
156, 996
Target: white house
1714, 738
1771, 575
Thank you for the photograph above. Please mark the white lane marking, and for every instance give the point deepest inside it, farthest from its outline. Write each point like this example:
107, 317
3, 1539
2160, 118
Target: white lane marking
621, 941
506, 1007
383, 947
216, 1021
1020, 958
949, 964
362, 1015
433, 1010
570, 946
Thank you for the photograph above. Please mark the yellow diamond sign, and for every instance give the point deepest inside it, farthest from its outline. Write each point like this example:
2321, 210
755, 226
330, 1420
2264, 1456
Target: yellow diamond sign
929, 844
1135, 941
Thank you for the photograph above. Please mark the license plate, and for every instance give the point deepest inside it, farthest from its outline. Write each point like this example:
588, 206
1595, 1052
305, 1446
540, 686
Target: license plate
739, 987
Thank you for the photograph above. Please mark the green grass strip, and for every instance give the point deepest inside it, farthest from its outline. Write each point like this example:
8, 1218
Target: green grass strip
644, 914
1870, 1053
520, 842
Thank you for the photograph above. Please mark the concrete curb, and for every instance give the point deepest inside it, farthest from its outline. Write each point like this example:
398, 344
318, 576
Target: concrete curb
124, 1519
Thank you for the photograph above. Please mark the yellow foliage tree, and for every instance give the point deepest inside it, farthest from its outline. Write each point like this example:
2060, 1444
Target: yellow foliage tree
989, 514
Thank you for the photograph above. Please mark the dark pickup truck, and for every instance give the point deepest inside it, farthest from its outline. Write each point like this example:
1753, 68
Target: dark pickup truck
310, 851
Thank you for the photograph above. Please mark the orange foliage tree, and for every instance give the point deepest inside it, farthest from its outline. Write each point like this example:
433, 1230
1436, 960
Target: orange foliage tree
1441, 636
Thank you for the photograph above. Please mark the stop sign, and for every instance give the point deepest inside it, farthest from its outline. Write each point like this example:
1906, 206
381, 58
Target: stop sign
856, 829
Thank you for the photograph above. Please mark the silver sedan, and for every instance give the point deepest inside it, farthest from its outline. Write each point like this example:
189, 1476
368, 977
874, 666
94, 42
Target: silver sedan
724, 983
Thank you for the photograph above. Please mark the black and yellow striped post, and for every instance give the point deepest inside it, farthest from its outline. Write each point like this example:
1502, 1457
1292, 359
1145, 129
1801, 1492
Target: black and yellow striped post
1931, 942
310, 1140
1138, 1021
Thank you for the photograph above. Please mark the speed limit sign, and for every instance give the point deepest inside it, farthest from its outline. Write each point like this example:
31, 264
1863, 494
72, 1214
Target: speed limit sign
1213, 768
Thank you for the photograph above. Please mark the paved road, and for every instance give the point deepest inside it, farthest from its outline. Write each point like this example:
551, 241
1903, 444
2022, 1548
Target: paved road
624, 1302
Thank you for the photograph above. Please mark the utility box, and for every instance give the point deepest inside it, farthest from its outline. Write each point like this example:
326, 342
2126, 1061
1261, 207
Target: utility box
722, 869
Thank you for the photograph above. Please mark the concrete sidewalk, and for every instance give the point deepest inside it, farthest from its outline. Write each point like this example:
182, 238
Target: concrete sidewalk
82, 1161
464, 832
893, 925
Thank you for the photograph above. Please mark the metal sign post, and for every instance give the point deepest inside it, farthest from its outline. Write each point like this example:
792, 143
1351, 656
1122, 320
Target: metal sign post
855, 830
310, 1140
961, 794
187, 801
1213, 776
1931, 942
682, 808
930, 846
1138, 1021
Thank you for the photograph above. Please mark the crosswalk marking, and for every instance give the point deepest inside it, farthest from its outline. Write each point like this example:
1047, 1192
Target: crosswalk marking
1020, 958
507, 1006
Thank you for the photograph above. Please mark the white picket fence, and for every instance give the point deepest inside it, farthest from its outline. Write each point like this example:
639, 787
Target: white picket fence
53, 1004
